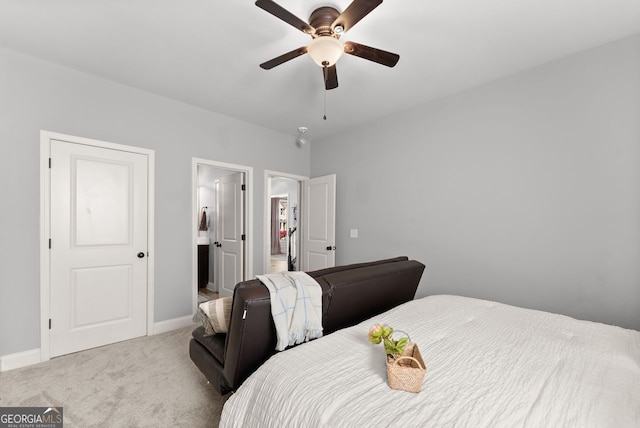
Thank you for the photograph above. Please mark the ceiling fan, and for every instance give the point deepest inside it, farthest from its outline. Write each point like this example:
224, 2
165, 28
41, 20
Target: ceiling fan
325, 27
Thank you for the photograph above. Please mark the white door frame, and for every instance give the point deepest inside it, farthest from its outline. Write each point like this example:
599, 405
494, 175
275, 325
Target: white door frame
45, 227
268, 175
248, 226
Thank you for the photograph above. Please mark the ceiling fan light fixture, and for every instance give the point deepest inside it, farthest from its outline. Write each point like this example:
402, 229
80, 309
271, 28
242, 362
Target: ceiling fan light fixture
325, 50
326, 26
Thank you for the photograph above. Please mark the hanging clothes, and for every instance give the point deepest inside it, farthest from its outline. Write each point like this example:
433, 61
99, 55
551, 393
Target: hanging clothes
275, 226
203, 219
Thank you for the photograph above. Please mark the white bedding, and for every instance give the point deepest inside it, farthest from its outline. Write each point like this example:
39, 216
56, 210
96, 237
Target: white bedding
488, 365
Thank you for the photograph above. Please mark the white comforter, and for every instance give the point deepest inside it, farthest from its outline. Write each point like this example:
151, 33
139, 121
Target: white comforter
488, 365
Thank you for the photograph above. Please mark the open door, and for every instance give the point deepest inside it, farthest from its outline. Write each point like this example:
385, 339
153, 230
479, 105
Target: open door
318, 223
224, 190
230, 232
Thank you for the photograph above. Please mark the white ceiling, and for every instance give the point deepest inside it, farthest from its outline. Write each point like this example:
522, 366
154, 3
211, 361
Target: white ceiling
206, 53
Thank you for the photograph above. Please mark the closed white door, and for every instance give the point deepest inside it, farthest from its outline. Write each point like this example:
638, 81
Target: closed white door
98, 246
230, 232
318, 223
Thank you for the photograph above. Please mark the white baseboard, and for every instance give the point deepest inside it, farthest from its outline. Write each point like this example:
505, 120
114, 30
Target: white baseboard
27, 358
19, 359
173, 324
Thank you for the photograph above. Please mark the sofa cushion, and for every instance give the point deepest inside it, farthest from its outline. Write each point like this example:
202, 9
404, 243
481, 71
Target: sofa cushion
213, 343
217, 315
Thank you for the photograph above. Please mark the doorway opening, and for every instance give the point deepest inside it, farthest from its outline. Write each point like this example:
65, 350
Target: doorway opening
278, 239
222, 239
282, 215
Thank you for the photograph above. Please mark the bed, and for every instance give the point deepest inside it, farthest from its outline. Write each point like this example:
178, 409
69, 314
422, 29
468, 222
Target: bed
488, 365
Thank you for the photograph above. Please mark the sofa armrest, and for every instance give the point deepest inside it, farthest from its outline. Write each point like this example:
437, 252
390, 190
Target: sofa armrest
251, 339
209, 366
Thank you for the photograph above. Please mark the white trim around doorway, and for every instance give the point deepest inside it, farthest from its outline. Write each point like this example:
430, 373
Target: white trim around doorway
248, 226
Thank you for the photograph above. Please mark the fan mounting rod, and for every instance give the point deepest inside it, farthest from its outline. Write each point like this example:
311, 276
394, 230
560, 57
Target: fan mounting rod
321, 19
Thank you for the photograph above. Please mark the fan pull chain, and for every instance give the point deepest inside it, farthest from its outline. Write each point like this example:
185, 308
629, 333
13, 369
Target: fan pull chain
325, 105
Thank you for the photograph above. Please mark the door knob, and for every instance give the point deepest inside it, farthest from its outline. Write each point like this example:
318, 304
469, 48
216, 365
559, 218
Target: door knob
329, 248
140, 255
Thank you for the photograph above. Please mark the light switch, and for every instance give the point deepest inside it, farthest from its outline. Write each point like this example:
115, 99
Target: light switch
353, 233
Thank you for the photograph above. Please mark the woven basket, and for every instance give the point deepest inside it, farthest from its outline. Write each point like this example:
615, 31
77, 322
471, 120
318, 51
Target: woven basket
406, 372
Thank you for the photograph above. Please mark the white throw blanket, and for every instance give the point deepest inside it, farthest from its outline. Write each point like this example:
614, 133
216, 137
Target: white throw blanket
296, 306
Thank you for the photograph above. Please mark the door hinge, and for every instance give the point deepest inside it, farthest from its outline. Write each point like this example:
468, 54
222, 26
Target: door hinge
49, 163
49, 243
244, 187
243, 236
49, 323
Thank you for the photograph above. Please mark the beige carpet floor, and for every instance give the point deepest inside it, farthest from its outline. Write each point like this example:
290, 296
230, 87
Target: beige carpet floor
144, 382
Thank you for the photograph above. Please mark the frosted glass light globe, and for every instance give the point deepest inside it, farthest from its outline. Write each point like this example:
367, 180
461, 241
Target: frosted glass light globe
325, 50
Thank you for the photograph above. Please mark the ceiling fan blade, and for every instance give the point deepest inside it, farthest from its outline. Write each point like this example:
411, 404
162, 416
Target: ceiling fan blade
357, 10
330, 77
372, 54
283, 58
282, 13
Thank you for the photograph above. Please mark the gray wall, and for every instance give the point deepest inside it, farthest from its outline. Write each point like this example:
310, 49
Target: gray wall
525, 191
37, 95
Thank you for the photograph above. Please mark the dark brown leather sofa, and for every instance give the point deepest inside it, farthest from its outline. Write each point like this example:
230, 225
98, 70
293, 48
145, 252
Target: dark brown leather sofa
350, 294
